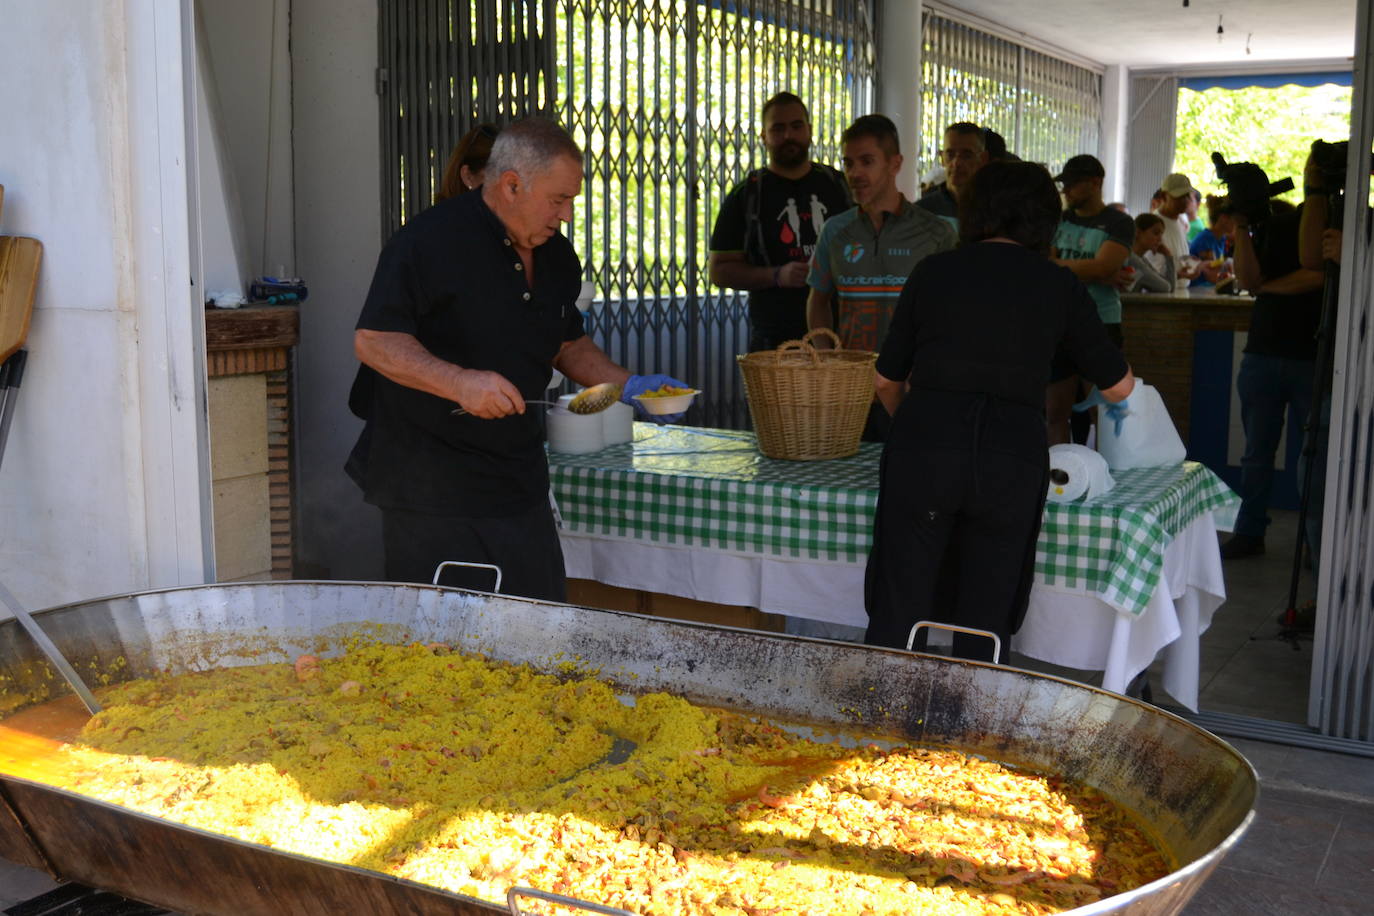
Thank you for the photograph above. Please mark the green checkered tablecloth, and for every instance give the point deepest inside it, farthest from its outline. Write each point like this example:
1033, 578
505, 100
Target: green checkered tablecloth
712, 488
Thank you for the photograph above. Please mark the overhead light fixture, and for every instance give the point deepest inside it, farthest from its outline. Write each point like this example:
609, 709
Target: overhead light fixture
1220, 31
1247, 42
1185, 3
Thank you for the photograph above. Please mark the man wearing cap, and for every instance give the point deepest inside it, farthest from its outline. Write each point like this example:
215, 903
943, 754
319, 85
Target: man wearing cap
1178, 193
964, 153
1093, 241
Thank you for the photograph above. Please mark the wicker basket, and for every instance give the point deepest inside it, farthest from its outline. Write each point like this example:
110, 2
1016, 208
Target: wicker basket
808, 404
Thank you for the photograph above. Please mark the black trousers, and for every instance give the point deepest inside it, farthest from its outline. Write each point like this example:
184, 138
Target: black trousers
954, 542
524, 546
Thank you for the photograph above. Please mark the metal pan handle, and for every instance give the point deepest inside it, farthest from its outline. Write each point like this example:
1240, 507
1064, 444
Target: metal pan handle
513, 895
447, 563
55, 656
930, 624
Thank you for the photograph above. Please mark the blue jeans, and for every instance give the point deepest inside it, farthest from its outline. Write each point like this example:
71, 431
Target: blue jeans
1269, 386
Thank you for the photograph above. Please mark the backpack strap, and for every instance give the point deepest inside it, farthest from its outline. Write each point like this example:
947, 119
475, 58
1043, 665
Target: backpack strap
837, 177
755, 250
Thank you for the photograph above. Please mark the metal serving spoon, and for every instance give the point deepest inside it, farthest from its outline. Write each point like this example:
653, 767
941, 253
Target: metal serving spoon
589, 400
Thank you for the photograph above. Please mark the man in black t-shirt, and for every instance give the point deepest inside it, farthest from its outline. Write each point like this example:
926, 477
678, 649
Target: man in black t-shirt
768, 225
1319, 248
1276, 372
472, 304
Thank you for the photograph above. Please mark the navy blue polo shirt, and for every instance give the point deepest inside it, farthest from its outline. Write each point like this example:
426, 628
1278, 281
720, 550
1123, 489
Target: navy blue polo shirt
452, 279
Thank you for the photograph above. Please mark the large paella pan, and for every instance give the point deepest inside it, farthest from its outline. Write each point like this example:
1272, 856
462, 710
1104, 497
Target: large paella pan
1194, 793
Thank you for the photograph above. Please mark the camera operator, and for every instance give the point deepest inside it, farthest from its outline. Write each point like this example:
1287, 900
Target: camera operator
1319, 248
1276, 371
1318, 240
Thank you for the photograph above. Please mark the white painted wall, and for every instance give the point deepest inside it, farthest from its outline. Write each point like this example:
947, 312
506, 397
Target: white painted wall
338, 237
224, 252
101, 488
247, 56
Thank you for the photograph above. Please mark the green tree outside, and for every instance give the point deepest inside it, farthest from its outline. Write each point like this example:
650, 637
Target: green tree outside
1273, 128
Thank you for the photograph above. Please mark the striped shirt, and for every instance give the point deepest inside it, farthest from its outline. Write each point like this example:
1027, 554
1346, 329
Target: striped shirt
866, 268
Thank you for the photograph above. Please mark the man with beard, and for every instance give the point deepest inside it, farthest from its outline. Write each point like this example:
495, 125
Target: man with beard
963, 154
866, 253
769, 224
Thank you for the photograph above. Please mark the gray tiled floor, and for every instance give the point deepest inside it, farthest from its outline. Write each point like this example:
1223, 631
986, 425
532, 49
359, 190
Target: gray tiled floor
1311, 848
1243, 668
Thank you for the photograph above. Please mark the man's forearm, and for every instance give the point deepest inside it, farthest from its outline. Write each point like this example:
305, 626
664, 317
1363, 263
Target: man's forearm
1246, 262
404, 360
818, 310
1311, 225
587, 364
1091, 271
1102, 267
743, 275
1292, 284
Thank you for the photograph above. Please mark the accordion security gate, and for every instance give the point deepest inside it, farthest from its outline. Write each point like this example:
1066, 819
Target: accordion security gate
664, 97
1341, 701
1047, 109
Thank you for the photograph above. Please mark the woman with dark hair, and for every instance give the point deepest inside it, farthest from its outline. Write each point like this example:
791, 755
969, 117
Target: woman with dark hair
1151, 263
465, 167
963, 371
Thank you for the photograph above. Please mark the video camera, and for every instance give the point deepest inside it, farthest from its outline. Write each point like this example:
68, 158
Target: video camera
1330, 160
1249, 188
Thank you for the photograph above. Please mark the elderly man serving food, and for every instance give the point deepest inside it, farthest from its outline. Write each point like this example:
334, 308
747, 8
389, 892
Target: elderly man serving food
473, 302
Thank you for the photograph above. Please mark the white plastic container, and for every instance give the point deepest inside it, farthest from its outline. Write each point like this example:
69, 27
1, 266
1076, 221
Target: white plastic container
617, 423
574, 433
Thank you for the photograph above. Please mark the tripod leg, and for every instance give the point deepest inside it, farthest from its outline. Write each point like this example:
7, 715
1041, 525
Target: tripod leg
1313, 429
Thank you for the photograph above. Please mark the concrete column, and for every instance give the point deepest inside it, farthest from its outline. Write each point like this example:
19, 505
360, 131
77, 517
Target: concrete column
899, 80
1112, 142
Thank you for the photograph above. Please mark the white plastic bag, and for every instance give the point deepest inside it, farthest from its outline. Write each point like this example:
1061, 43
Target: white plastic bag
1148, 438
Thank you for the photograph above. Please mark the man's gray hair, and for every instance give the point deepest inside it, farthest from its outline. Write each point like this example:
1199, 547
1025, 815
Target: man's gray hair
528, 148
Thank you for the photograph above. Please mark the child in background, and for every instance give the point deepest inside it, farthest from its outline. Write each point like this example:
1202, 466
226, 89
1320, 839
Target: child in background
1151, 263
1213, 245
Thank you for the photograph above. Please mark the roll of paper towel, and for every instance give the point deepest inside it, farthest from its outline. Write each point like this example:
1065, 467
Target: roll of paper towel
574, 433
1076, 471
618, 424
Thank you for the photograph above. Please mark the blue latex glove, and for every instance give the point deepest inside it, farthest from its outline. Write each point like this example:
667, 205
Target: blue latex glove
1117, 412
638, 384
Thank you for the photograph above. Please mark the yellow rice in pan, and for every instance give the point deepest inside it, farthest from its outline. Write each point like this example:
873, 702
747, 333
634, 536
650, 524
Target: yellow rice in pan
473, 776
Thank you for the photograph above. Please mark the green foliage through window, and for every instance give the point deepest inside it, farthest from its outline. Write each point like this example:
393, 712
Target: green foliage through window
1273, 128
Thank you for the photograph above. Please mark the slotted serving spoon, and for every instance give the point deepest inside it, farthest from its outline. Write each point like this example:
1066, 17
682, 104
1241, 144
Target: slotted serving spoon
589, 400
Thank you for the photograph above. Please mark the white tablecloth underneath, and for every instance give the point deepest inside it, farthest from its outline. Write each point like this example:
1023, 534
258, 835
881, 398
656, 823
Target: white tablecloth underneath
1062, 627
